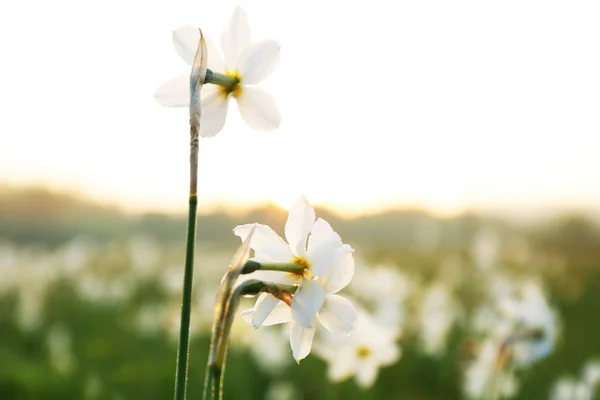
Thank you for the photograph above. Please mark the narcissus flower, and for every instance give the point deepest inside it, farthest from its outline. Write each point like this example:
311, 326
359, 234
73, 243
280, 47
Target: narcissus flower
530, 315
327, 267
361, 354
488, 375
247, 62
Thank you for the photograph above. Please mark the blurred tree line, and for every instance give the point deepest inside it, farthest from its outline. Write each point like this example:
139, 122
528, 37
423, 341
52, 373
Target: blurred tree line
37, 215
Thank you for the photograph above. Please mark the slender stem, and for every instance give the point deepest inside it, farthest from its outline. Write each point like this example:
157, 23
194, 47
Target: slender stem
212, 382
186, 298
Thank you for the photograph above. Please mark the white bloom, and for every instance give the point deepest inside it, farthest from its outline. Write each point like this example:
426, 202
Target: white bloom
531, 312
361, 354
248, 62
521, 328
570, 389
437, 313
591, 373
488, 376
578, 389
329, 267
522, 318
383, 290
269, 348
485, 249
279, 390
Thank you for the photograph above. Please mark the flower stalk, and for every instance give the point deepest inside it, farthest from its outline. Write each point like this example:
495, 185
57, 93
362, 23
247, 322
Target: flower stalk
212, 378
226, 308
291, 268
227, 82
196, 80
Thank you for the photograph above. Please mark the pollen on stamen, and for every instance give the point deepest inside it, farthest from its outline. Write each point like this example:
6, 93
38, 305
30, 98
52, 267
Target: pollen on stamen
306, 264
301, 261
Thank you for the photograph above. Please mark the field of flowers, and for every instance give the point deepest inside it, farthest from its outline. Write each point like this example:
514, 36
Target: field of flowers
498, 317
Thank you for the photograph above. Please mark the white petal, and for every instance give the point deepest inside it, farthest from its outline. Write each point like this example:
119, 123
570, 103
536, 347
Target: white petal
236, 38
213, 112
283, 278
341, 274
323, 248
175, 92
366, 373
262, 308
342, 365
307, 301
386, 354
266, 244
258, 109
300, 340
247, 315
323, 232
338, 314
215, 61
280, 315
185, 40
297, 227
258, 61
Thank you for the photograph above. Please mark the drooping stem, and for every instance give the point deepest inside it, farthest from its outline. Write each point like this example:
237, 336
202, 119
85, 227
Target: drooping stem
213, 370
214, 378
196, 80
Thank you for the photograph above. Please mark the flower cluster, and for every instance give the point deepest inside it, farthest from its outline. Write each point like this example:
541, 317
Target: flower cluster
326, 267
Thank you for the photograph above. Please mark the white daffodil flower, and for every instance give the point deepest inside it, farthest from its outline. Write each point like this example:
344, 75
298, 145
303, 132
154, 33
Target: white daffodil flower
370, 347
591, 373
528, 312
571, 389
437, 312
248, 62
383, 291
328, 268
488, 377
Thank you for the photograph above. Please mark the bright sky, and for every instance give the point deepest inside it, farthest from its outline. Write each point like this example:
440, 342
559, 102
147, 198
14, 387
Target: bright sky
441, 104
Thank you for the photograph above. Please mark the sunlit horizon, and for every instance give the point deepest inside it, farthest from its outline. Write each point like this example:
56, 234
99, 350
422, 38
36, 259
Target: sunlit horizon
518, 211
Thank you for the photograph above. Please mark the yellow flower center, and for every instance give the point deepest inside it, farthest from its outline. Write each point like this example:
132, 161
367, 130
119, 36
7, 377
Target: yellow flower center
363, 352
236, 89
304, 263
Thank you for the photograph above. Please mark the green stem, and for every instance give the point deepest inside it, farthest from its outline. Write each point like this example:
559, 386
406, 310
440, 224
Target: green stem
226, 81
215, 371
291, 268
188, 274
